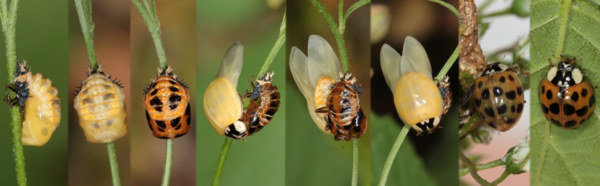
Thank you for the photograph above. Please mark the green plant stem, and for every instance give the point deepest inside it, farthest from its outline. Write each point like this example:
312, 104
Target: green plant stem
448, 6
84, 12
114, 166
221, 163
168, 162
498, 13
339, 36
472, 169
276, 47
448, 65
484, 166
564, 21
504, 175
390, 159
150, 17
8, 18
354, 162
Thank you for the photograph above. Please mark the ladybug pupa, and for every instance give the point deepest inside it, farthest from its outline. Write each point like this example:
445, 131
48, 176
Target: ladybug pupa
417, 98
167, 106
100, 105
222, 103
263, 103
331, 96
40, 105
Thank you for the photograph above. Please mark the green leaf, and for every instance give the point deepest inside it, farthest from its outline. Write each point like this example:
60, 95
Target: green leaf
559, 156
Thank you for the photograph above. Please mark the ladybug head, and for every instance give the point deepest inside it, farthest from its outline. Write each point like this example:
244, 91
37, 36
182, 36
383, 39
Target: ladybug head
565, 74
166, 71
494, 68
237, 130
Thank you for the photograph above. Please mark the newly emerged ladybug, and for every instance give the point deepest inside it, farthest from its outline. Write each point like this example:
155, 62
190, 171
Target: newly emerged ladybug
499, 98
222, 103
419, 101
263, 104
100, 105
167, 106
566, 99
39, 102
332, 101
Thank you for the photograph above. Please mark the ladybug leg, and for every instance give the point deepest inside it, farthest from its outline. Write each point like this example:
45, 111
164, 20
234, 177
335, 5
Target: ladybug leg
467, 95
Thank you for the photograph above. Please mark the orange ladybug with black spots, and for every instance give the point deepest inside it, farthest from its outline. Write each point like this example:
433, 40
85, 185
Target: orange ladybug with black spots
499, 98
566, 99
167, 106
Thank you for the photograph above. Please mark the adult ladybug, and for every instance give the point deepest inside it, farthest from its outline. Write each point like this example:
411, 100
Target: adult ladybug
38, 100
420, 101
222, 103
566, 99
100, 105
263, 104
332, 101
499, 97
167, 104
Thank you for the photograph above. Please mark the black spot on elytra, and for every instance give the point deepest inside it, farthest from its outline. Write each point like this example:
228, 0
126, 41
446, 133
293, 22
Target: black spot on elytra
155, 101
108, 96
549, 94
479, 84
584, 92
545, 109
498, 91
174, 98
511, 78
511, 95
87, 101
173, 89
172, 82
502, 79
592, 101
501, 109
149, 121
570, 124
513, 109
582, 111
189, 116
575, 96
478, 102
158, 108
556, 122
489, 111
568, 109
173, 106
485, 94
554, 108
153, 92
520, 108
175, 123
510, 120
161, 125
520, 90
543, 89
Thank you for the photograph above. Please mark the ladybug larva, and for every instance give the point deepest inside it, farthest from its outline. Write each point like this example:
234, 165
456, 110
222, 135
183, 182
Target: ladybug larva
417, 97
167, 106
38, 100
566, 99
100, 105
263, 104
499, 98
332, 100
222, 103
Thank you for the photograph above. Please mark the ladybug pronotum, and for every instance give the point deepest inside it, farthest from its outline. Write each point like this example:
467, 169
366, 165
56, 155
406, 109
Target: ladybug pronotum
419, 101
38, 100
167, 104
566, 99
222, 103
499, 98
263, 104
332, 100
100, 105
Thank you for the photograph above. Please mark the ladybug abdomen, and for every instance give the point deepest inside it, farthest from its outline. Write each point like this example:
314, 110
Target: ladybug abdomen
499, 100
568, 107
167, 108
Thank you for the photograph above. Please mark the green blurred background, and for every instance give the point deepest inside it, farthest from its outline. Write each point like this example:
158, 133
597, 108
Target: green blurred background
313, 157
42, 41
260, 159
178, 26
426, 159
88, 162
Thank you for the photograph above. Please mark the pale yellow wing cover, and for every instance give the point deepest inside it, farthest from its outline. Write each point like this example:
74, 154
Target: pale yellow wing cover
222, 103
314, 74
